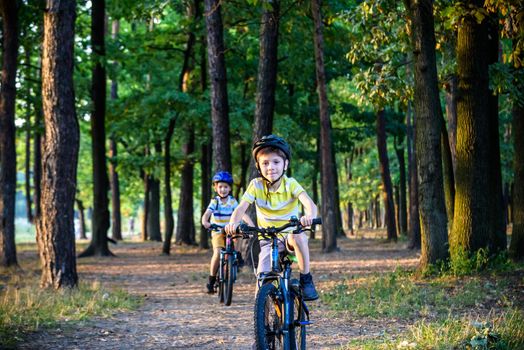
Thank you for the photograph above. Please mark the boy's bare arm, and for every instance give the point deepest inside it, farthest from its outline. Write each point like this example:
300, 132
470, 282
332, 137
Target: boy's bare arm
248, 220
237, 215
310, 209
205, 218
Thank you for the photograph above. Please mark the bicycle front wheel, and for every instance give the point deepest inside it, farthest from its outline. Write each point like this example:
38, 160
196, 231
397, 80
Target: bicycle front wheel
221, 274
297, 333
268, 319
229, 279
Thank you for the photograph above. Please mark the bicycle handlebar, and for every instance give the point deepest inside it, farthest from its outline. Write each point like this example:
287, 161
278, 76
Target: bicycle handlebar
272, 231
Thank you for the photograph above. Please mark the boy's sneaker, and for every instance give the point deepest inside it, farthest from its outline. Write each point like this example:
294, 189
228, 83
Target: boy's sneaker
240, 260
211, 284
308, 288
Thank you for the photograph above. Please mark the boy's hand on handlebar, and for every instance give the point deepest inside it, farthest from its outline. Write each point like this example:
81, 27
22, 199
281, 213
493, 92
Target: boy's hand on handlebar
306, 220
231, 228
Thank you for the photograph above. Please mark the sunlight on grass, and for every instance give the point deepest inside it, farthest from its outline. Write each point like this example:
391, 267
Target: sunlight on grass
504, 332
475, 312
400, 295
24, 307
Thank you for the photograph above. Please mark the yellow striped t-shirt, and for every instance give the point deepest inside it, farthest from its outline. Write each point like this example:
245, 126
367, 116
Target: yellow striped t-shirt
274, 208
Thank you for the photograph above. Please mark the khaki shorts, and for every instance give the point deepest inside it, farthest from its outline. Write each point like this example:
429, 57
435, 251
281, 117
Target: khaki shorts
218, 240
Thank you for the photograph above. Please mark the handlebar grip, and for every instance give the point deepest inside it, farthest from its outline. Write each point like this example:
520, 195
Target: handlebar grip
317, 221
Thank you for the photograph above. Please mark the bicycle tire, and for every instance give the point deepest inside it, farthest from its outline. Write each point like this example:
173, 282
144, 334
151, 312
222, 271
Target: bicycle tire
229, 280
268, 319
297, 333
221, 282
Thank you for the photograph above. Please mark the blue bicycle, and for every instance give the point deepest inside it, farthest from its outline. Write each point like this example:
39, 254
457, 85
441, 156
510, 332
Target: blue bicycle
281, 314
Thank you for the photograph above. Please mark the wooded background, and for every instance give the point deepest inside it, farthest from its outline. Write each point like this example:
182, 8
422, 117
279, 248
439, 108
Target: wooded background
413, 109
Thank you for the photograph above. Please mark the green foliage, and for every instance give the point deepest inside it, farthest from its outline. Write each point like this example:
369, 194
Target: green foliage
24, 307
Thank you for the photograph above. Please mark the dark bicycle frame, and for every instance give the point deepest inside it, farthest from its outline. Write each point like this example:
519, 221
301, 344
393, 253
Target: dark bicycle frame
224, 253
281, 270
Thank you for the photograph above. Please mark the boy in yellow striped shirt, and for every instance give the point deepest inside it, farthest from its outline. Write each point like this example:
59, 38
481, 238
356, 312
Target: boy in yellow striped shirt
276, 198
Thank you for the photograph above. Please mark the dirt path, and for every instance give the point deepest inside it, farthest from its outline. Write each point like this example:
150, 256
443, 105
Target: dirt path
178, 314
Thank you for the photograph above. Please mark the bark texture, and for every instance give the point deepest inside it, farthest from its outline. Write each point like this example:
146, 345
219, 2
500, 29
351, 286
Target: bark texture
428, 116
55, 226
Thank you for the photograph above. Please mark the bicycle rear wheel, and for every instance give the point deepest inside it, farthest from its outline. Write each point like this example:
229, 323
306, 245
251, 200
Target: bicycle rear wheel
297, 333
268, 319
229, 279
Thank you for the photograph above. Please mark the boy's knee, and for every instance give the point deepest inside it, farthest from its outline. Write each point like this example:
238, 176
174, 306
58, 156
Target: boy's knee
299, 238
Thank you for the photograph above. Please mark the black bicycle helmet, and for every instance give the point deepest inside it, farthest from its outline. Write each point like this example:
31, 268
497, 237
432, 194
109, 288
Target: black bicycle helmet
271, 141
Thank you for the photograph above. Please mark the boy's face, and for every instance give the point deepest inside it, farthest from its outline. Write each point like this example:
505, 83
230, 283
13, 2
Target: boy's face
222, 188
272, 165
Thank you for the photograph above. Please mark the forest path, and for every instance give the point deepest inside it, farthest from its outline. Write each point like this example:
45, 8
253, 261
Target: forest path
177, 313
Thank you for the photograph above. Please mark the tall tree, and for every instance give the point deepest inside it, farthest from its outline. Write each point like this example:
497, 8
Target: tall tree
218, 78
185, 222
9, 12
116, 217
265, 92
28, 128
329, 228
153, 218
497, 240
402, 206
194, 15
55, 226
471, 222
428, 115
387, 187
516, 248
100, 218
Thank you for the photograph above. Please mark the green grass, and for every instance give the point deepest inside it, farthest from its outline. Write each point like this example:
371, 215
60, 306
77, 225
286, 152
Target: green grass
402, 296
504, 332
476, 312
24, 307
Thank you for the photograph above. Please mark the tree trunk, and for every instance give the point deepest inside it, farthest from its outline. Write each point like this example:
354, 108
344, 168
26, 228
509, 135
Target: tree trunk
153, 220
329, 222
100, 220
185, 222
218, 78
497, 240
428, 113
9, 11
81, 218
448, 174
387, 187
402, 215
516, 248
338, 212
267, 76
451, 114
37, 155
168, 206
265, 94
55, 227
267, 70
116, 216
244, 165
27, 168
205, 166
471, 223
145, 215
